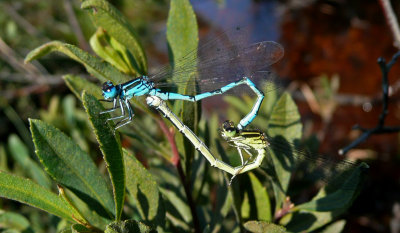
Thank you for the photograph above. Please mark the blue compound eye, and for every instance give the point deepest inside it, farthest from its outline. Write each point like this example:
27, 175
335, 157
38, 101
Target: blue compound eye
109, 90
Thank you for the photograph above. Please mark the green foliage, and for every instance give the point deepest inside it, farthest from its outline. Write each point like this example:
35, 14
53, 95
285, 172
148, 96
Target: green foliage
10, 220
26, 191
160, 195
144, 191
112, 21
260, 227
182, 36
110, 146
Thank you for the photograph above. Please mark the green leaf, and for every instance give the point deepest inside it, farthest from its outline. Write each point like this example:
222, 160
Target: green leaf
10, 220
144, 190
335, 227
3, 158
20, 154
112, 51
263, 205
110, 147
222, 207
77, 85
261, 227
173, 194
285, 119
182, 30
116, 25
70, 166
340, 198
128, 226
28, 192
86, 210
94, 65
78, 228
284, 123
182, 36
308, 221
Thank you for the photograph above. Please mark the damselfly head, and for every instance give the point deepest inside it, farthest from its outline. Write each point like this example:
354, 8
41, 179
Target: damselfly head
228, 129
109, 90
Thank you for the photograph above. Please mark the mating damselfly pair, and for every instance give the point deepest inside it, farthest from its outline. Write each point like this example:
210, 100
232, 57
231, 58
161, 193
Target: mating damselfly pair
218, 66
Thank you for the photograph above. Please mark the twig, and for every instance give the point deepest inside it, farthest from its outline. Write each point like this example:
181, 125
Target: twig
10, 56
25, 91
380, 128
31, 78
75, 25
391, 20
23, 23
177, 163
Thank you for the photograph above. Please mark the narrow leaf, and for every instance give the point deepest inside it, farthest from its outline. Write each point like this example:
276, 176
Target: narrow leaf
10, 220
182, 36
70, 166
77, 85
20, 154
3, 158
340, 198
110, 147
30, 193
284, 122
263, 205
307, 221
86, 210
261, 227
78, 228
128, 226
116, 25
335, 227
144, 190
94, 65
112, 51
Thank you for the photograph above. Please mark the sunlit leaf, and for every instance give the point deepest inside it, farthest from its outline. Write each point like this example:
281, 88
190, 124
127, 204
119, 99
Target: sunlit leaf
261, 198
144, 191
70, 166
112, 51
30, 193
128, 226
110, 146
94, 65
337, 199
284, 122
77, 85
262, 227
111, 20
335, 227
182, 36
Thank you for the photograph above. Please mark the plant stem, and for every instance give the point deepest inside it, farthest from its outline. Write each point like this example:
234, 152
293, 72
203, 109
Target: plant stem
177, 163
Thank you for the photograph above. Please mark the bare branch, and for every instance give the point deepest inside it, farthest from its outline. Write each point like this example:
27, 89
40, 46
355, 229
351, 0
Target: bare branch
391, 21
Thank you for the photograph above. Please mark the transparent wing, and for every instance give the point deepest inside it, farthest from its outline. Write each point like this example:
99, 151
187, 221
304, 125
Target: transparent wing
221, 59
332, 171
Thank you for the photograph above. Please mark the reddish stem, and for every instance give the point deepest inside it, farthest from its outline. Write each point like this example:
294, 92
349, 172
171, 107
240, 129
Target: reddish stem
170, 137
177, 163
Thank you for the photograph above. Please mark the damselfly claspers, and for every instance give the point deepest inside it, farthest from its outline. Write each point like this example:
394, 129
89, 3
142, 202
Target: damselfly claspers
216, 67
328, 170
162, 107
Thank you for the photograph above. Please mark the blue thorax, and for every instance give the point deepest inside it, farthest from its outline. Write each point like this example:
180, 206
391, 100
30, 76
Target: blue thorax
136, 87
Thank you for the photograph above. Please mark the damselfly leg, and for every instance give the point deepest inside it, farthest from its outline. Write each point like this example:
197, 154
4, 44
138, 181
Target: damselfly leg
124, 121
162, 107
